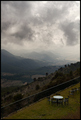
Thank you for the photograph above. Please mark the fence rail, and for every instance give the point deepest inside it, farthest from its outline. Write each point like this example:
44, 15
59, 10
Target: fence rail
12, 107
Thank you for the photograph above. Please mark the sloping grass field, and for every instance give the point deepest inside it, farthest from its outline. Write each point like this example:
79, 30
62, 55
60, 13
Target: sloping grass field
45, 110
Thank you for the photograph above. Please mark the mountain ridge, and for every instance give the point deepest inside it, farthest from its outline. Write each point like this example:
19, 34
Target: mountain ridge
12, 63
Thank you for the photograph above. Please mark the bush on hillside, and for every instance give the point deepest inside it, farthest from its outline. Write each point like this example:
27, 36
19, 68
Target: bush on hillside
37, 87
57, 75
18, 97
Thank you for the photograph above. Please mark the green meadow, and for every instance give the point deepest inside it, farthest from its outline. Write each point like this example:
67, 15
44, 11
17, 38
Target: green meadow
45, 110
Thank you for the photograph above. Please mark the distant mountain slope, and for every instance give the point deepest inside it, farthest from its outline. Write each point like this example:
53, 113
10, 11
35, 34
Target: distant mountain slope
16, 64
43, 70
51, 57
12, 63
45, 56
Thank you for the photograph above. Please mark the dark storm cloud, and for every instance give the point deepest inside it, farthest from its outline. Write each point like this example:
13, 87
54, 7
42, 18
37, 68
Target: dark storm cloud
71, 32
52, 15
36, 21
16, 10
54, 11
30, 18
13, 15
5, 25
25, 32
21, 7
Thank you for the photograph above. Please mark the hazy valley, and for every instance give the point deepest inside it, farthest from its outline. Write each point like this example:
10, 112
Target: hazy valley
16, 70
17, 78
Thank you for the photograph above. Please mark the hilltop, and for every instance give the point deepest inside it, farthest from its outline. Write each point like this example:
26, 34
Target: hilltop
16, 64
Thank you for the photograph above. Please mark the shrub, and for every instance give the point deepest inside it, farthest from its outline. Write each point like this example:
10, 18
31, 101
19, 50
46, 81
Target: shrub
37, 87
57, 75
18, 97
46, 74
34, 79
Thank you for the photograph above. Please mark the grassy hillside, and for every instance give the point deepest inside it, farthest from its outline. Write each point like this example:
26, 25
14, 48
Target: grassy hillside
42, 83
43, 110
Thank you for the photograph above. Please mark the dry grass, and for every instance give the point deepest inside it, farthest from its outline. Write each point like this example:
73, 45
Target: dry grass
75, 115
43, 110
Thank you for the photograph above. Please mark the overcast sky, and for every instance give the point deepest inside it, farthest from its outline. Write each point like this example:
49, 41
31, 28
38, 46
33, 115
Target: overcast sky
41, 26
